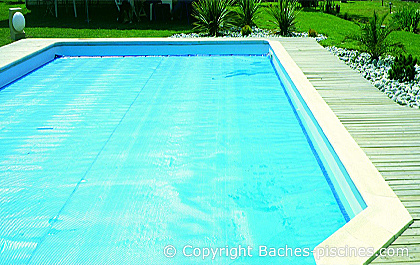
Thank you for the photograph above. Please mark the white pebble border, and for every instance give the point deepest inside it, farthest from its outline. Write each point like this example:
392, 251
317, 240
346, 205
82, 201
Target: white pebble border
235, 32
404, 93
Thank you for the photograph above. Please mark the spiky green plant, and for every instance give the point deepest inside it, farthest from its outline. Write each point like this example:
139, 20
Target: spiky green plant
212, 16
374, 37
329, 6
248, 12
403, 68
283, 14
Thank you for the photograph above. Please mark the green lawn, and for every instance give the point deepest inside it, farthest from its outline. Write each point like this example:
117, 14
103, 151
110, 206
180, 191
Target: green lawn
339, 31
362, 10
104, 24
50, 32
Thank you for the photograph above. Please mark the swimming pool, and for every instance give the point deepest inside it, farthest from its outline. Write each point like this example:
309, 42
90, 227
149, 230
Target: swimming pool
107, 159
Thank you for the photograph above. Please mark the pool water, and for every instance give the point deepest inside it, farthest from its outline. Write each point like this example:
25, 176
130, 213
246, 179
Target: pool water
108, 160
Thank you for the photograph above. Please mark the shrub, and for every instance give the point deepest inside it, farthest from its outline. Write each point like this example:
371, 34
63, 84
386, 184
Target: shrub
407, 18
374, 37
328, 6
312, 33
308, 3
283, 14
321, 6
403, 68
337, 9
212, 15
246, 30
248, 12
346, 16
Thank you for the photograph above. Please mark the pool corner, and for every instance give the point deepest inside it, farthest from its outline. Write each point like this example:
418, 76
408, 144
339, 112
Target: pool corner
375, 227
385, 217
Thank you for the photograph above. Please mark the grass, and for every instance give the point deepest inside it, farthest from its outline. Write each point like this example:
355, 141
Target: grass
50, 32
104, 24
335, 28
339, 30
362, 10
410, 41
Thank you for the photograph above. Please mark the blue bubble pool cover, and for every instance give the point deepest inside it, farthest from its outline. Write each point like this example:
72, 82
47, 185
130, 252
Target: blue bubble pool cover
109, 160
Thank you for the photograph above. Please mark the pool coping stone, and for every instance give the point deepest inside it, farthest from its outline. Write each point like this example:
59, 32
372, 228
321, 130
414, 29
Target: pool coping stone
377, 226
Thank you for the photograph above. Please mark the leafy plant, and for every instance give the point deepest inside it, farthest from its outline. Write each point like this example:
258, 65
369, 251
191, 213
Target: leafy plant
407, 18
312, 33
404, 68
248, 12
283, 14
345, 16
374, 37
337, 9
246, 30
321, 5
308, 3
212, 16
328, 6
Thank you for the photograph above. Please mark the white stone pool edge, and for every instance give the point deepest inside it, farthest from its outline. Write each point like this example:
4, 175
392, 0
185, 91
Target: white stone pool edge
385, 217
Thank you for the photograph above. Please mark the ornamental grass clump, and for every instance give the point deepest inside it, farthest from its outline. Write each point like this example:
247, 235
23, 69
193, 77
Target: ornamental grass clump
329, 6
403, 68
248, 12
213, 16
374, 37
407, 18
283, 14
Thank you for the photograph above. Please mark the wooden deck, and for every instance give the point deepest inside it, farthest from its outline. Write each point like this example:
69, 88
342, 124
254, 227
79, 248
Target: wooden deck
388, 133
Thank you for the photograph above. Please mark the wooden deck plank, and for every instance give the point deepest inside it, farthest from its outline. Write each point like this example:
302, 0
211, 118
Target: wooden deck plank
388, 133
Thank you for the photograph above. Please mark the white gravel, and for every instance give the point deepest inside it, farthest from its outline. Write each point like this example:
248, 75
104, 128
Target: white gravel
235, 32
404, 93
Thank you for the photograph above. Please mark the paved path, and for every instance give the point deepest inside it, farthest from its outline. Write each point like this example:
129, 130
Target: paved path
388, 133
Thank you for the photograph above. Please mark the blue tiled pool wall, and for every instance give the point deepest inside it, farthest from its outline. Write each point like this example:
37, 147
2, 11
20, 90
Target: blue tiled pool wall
32, 62
295, 101
233, 135
342, 186
345, 192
